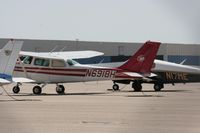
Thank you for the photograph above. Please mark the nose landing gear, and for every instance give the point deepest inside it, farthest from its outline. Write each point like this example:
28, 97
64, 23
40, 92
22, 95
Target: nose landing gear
37, 90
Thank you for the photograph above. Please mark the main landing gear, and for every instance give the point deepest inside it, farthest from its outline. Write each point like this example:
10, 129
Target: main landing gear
37, 90
158, 87
60, 89
137, 86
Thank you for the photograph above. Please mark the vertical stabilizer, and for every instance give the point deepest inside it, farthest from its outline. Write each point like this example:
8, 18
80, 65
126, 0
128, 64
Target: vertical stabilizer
143, 59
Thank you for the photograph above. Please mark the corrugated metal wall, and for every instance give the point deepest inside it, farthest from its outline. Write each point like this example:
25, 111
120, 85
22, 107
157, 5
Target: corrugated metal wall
113, 50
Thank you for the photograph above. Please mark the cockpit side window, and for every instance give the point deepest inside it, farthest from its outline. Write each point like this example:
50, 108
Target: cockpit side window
41, 62
58, 63
27, 59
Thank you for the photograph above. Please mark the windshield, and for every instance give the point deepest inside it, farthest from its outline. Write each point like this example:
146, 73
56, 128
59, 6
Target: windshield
27, 59
71, 62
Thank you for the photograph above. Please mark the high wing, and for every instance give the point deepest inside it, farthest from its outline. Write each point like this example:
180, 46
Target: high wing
64, 55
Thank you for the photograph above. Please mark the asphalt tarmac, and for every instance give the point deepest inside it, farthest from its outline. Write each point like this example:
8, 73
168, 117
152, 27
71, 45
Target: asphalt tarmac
94, 108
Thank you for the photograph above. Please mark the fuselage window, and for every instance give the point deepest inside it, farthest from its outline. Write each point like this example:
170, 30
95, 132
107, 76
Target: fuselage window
27, 60
46, 62
58, 63
71, 62
41, 62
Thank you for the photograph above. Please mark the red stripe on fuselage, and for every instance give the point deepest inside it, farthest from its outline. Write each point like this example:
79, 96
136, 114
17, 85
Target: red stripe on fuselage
52, 73
69, 72
52, 69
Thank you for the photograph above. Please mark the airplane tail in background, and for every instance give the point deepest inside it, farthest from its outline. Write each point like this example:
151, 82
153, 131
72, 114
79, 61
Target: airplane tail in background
143, 59
8, 56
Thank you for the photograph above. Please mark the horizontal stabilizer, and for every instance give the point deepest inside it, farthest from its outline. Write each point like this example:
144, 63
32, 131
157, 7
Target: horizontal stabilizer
132, 74
22, 80
152, 75
4, 81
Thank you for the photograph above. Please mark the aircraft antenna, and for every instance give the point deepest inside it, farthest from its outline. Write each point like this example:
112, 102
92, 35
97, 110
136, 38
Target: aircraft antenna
183, 61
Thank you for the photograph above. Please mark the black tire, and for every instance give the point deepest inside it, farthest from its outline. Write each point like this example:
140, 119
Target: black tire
115, 87
60, 89
16, 89
157, 87
137, 87
37, 90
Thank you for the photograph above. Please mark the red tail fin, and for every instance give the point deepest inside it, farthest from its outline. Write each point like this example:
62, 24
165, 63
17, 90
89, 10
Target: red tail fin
143, 59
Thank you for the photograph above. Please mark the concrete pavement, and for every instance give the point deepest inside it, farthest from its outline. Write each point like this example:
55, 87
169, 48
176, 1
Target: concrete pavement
93, 107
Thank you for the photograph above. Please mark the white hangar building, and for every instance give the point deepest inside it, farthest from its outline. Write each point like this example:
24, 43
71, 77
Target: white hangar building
114, 51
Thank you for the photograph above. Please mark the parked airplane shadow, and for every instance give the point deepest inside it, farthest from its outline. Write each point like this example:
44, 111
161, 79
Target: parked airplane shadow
91, 94
19, 100
150, 91
135, 94
144, 95
175, 91
66, 94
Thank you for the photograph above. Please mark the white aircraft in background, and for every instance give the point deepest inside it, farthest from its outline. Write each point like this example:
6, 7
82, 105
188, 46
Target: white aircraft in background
164, 73
8, 56
59, 67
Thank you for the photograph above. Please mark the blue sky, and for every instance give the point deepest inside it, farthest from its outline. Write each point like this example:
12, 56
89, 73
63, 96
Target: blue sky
173, 21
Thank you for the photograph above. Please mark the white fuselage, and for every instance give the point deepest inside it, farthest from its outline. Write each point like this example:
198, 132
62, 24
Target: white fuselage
67, 73
161, 66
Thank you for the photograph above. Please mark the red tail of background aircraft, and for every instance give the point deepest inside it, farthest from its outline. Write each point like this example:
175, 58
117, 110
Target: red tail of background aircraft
143, 59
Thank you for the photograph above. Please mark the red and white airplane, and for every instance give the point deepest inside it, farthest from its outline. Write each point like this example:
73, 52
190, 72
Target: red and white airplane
59, 67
